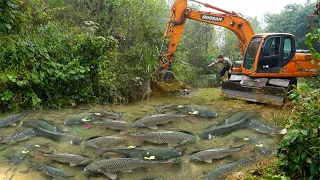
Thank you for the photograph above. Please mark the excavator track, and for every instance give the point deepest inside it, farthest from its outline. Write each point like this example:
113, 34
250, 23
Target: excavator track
261, 90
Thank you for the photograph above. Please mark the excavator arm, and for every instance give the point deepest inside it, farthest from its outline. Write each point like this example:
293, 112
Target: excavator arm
180, 13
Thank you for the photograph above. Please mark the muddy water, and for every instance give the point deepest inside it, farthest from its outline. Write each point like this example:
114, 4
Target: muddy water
183, 170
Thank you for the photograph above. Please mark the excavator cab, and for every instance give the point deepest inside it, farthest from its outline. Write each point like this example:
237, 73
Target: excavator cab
276, 50
270, 67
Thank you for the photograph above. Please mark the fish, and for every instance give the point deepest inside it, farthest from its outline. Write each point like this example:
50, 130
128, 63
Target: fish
11, 120
226, 169
23, 153
159, 154
42, 124
50, 171
91, 117
188, 110
73, 159
27, 133
87, 118
172, 138
114, 124
106, 114
105, 142
58, 136
261, 146
151, 122
260, 127
201, 112
238, 116
110, 167
215, 153
222, 129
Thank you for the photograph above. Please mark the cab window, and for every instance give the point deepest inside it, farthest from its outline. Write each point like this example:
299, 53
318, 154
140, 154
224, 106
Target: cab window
287, 48
271, 47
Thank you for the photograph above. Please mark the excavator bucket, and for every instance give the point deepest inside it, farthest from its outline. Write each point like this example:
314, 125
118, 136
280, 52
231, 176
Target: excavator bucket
261, 90
167, 82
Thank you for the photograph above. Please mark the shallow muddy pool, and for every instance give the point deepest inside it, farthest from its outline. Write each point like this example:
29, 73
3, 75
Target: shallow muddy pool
181, 169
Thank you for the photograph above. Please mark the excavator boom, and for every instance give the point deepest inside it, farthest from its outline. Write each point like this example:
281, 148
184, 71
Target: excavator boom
180, 13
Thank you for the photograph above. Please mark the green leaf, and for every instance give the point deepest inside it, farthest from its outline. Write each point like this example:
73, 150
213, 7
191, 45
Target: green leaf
12, 78
73, 72
10, 4
313, 168
304, 87
8, 26
304, 132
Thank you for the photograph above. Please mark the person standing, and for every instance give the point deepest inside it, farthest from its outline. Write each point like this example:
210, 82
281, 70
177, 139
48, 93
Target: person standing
227, 66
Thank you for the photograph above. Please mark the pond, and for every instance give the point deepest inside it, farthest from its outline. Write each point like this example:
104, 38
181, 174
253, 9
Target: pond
181, 168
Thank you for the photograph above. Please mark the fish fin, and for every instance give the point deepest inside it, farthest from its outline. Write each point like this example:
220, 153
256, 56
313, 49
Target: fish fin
93, 137
128, 171
19, 124
153, 127
123, 132
73, 164
111, 175
159, 108
150, 158
208, 161
13, 124
172, 145
131, 147
193, 112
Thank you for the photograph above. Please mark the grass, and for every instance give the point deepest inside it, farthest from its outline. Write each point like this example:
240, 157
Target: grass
206, 95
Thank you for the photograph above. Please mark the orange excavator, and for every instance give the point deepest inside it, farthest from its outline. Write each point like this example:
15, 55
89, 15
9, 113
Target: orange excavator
270, 65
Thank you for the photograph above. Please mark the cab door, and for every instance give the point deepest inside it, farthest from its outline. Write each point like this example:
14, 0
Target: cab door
275, 53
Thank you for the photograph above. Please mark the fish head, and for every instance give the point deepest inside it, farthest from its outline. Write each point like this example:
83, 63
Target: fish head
208, 114
91, 168
174, 154
194, 158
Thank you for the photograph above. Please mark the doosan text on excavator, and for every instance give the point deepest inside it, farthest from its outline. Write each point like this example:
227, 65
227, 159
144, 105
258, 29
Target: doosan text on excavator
270, 64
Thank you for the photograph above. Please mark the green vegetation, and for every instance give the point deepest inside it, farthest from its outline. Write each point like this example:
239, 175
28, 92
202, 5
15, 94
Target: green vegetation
292, 19
298, 151
56, 53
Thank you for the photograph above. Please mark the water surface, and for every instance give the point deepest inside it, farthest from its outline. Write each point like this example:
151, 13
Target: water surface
184, 170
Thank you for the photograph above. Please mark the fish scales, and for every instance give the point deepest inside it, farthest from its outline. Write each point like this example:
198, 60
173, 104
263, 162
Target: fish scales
222, 129
62, 137
145, 152
12, 119
117, 164
170, 137
156, 120
260, 127
21, 136
216, 153
51, 171
73, 159
22, 153
104, 142
216, 174
114, 124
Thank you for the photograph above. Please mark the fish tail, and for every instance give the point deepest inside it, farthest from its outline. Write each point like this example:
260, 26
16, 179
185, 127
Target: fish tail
159, 108
103, 150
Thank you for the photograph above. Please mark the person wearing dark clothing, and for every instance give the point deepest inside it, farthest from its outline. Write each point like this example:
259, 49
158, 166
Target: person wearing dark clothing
227, 66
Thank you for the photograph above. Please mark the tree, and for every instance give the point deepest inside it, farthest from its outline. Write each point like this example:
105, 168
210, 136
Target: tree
291, 20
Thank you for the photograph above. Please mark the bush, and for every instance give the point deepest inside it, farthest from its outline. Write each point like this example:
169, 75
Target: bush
51, 67
298, 151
